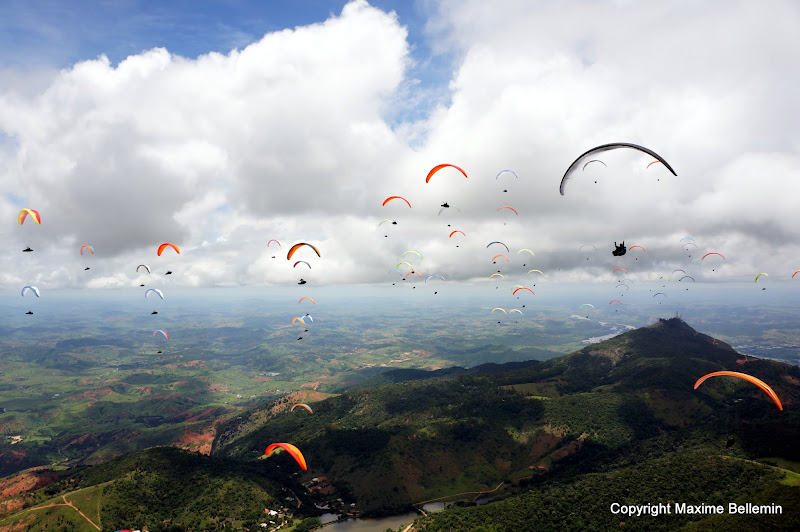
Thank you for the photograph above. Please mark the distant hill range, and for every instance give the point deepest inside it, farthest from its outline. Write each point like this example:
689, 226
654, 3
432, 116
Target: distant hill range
555, 443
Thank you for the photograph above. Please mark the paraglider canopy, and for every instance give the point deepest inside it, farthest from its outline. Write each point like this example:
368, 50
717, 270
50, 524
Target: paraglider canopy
603, 148
292, 450
24, 214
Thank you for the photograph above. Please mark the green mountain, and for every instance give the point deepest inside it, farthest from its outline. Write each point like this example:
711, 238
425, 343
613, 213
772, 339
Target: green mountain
555, 443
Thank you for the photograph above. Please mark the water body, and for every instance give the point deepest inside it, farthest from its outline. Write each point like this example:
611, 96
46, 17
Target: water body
377, 524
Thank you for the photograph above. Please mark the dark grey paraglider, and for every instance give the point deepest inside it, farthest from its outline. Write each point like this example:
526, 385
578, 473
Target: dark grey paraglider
606, 147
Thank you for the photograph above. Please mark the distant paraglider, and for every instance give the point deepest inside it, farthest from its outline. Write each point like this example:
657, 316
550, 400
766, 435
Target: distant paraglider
23, 214
390, 198
165, 245
297, 246
619, 250
26, 289
439, 167
304, 406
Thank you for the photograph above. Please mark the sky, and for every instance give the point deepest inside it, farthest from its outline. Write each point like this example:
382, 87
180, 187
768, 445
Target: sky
219, 126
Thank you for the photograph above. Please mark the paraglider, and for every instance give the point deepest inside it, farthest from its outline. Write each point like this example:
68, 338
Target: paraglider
29, 312
594, 161
439, 167
303, 262
501, 172
604, 148
27, 250
759, 275
620, 249
498, 308
293, 451
156, 290
615, 301
145, 266
24, 214
526, 249
300, 320
712, 253
522, 288
509, 208
497, 274
273, 240
686, 277
390, 198
435, 275
26, 289
636, 246
162, 331
304, 406
620, 270
301, 281
456, 231
500, 255
306, 298
165, 245
169, 272
86, 246
412, 251
297, 246
507, 250
758, 382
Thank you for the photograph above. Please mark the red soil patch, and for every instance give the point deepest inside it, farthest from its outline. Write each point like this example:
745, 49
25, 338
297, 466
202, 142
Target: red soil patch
263, 379
22, 483
194, 363
199, 442
312, 385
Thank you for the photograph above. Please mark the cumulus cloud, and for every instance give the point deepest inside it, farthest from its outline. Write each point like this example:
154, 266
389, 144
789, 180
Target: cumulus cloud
293, 137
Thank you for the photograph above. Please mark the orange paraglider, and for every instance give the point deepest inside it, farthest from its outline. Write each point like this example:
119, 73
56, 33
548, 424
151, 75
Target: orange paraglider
439, 167
390, 198
295, 248
164, 246
758, 382
292, 450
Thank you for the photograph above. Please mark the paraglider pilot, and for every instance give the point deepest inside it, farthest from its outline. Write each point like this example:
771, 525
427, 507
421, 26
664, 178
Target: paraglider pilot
620, 249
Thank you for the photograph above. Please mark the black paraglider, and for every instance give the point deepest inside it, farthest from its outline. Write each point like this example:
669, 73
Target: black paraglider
301, 282
86, 268
620, 250
169, 272
445, 205
154, 312
27, 250
29, 312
